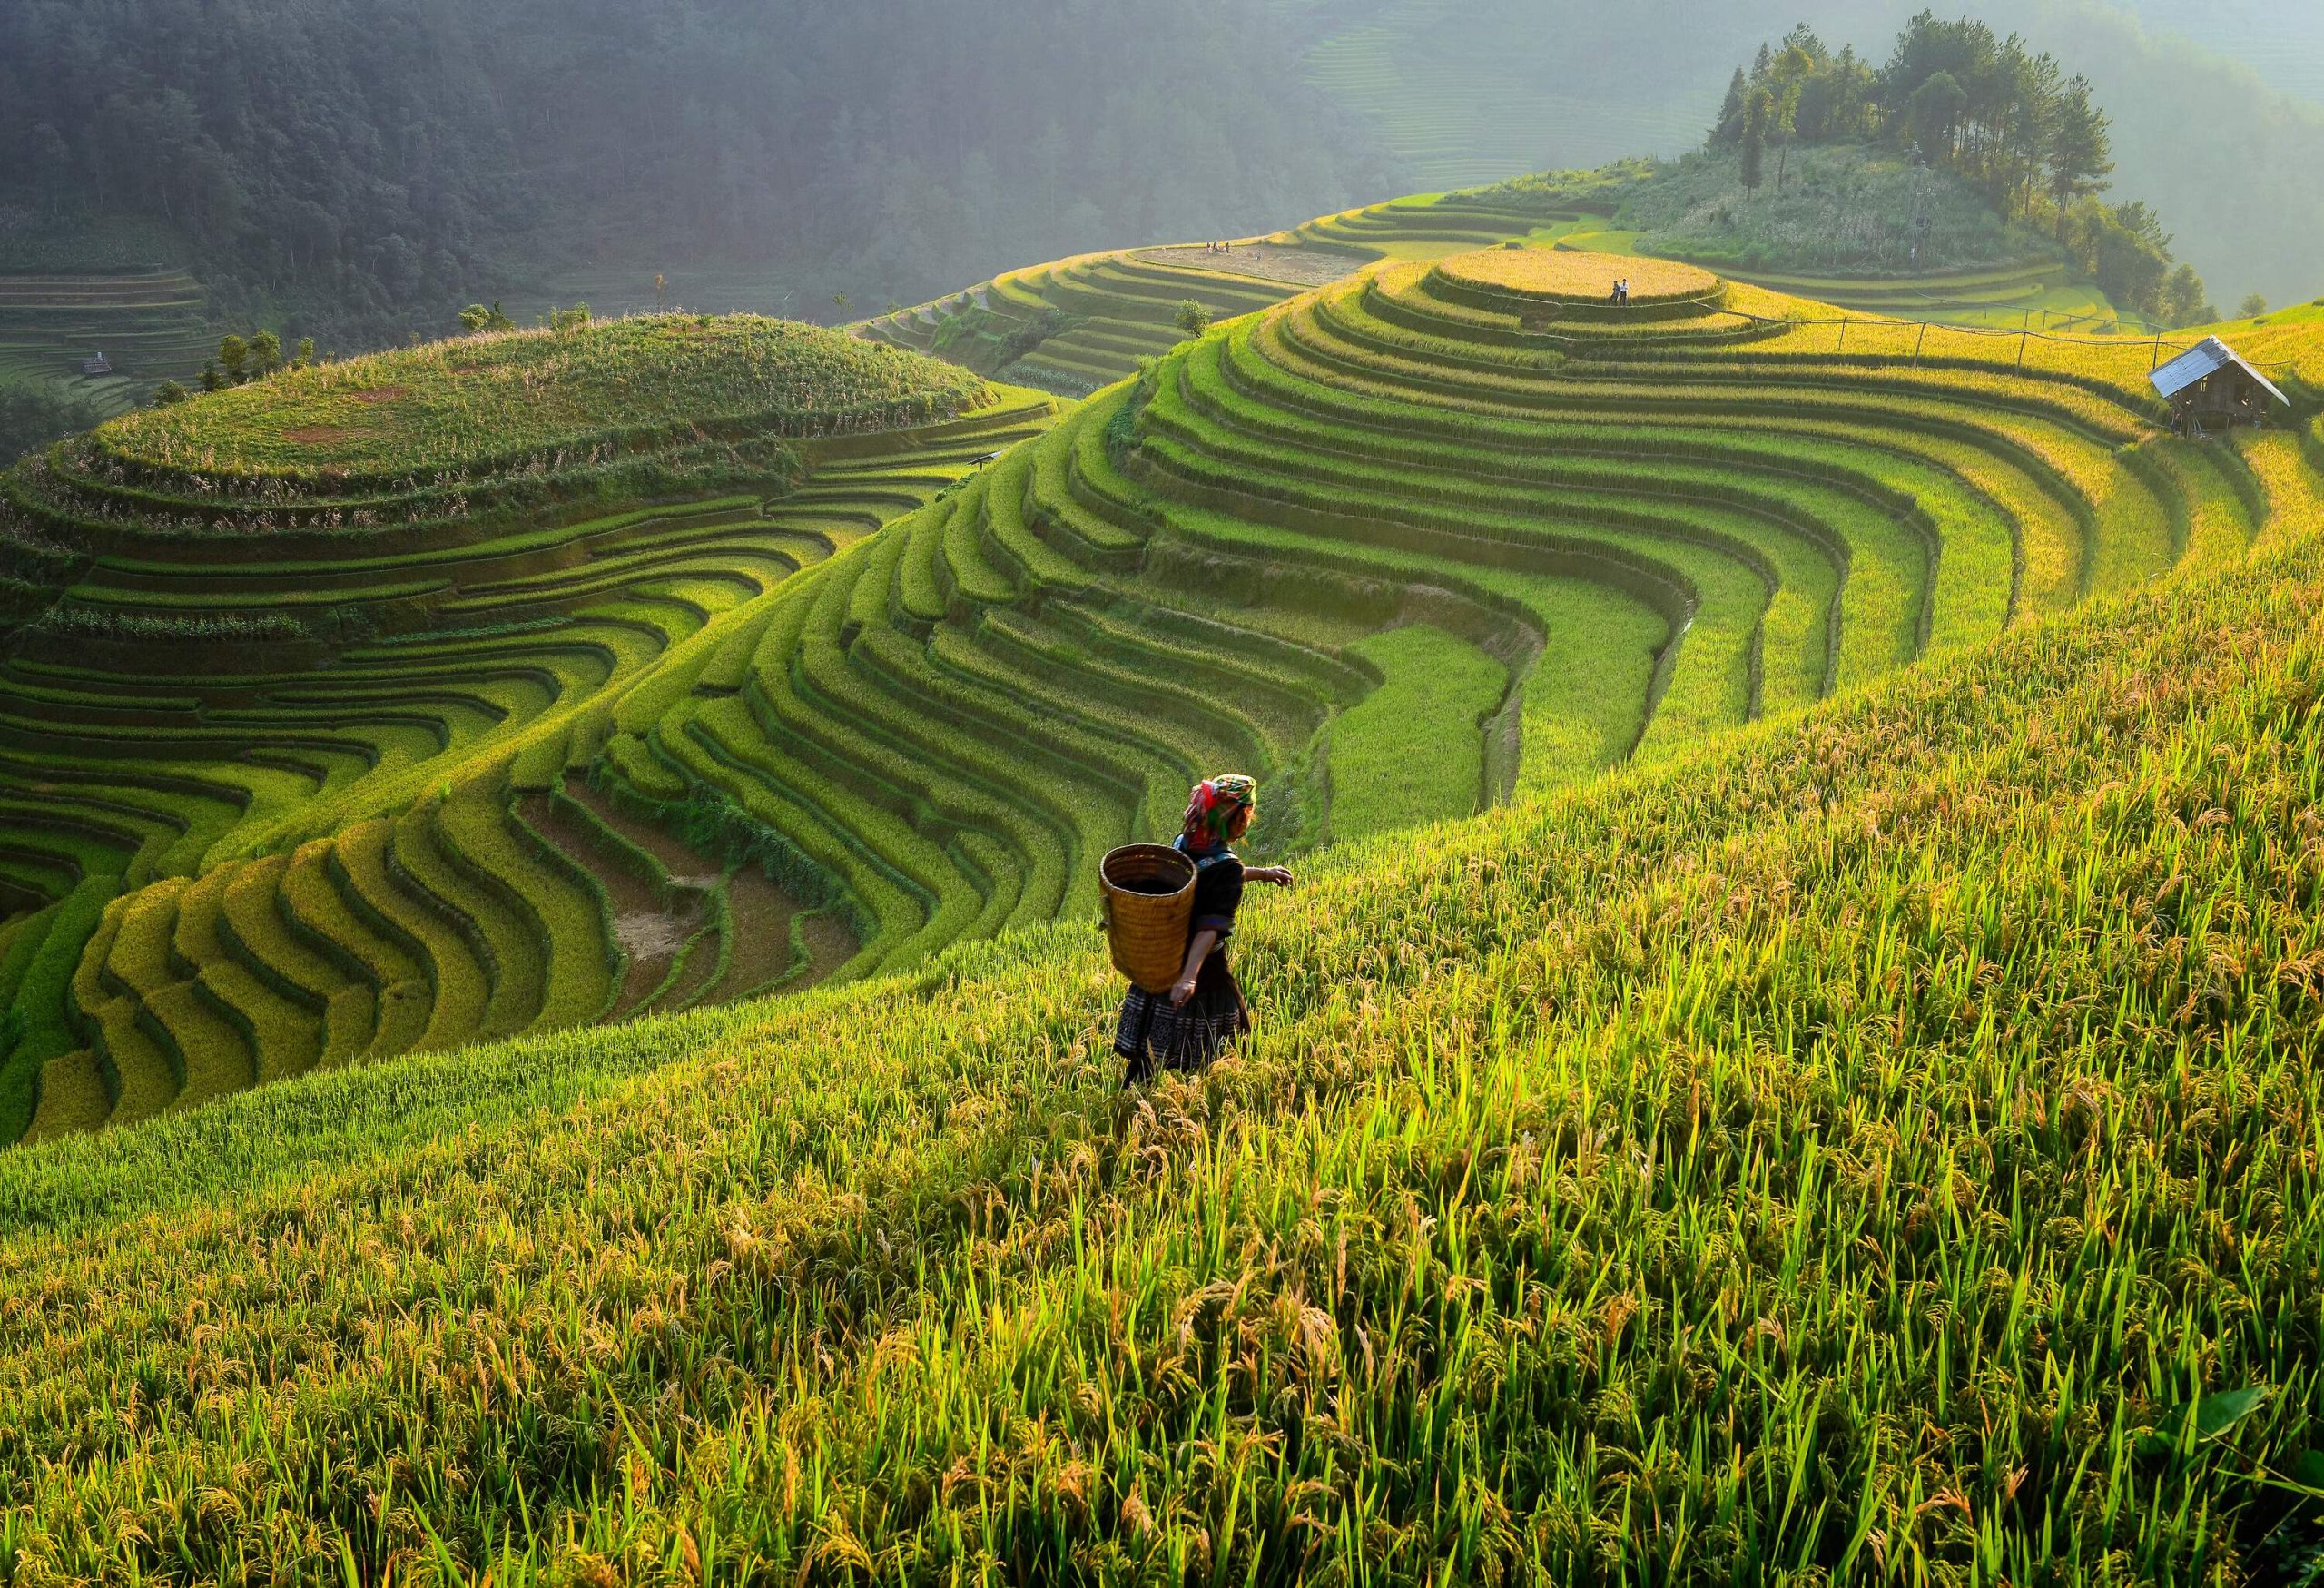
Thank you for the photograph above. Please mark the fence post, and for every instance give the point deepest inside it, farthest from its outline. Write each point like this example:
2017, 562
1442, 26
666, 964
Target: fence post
2021, 350
2158, 354
1919, 340
1844, 333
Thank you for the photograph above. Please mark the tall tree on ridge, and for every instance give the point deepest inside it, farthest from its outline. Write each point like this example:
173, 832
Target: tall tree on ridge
1730, 114
2082, 154
1792, 69
1758, 113
1933, 115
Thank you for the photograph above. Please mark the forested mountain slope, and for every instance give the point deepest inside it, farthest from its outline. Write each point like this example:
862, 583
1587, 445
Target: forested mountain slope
376, 165
1475, 93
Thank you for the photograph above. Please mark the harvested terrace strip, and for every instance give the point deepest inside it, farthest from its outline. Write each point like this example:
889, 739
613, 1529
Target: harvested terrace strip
1535, 275
372, 838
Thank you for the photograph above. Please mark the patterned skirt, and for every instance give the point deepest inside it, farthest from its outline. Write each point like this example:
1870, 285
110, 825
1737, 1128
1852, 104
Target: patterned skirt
1154, 1033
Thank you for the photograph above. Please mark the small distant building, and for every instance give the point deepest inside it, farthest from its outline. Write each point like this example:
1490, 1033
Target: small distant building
100, 365
2210, 386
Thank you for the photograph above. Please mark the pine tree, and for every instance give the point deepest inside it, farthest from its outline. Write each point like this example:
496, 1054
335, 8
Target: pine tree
1758, 116
2081, 154
1730, 114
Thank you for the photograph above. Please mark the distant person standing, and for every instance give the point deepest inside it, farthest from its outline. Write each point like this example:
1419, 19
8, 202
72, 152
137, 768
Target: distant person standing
1184, 1028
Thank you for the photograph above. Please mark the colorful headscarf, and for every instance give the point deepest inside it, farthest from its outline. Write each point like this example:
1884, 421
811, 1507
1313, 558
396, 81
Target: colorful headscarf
1215, 802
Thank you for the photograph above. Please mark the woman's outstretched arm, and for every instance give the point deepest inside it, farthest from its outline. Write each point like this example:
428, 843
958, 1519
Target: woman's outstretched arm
1280, 875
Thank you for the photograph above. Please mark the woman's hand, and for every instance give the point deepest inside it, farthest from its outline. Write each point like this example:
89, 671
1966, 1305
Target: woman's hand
1280, 875
1197, 953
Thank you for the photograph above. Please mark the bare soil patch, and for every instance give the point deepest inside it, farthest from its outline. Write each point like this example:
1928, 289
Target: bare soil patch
650, 930
316, 435
1267, 261
761, 910
379, 394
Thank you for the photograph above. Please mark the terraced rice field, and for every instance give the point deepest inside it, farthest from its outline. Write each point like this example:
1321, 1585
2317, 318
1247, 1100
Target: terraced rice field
150, 324
1876, 1148
498, 746
295, 731
1081, 324
1610, 533
2040, 294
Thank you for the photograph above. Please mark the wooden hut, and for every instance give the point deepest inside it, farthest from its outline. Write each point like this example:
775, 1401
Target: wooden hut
2209, 387
100, 365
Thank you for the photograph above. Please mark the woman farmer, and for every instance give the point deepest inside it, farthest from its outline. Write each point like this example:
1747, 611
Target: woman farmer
1184, 1028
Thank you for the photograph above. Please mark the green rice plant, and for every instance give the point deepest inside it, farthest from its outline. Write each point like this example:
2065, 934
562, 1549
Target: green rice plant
485, 913
142, 1074
42, 1025
284, 1035
1412, 750
549, 895
967, 572
254, 927
922, 595
429, 931
204, 1047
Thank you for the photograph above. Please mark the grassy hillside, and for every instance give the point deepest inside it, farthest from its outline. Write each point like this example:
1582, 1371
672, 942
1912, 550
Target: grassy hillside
304, 682
1880, 1145
478, 404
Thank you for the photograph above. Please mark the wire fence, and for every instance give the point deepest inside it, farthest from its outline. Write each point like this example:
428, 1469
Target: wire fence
2116, 357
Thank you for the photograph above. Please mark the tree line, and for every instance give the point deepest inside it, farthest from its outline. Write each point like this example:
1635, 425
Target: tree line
2001, 115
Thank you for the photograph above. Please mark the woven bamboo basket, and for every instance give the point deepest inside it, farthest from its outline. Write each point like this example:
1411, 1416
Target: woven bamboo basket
1148, 894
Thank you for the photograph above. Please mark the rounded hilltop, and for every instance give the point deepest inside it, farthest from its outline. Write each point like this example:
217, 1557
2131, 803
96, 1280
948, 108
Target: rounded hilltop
1543, 304
501, 401
1573, 275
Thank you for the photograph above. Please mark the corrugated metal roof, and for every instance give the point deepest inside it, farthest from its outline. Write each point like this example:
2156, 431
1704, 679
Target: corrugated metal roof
2207, 357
